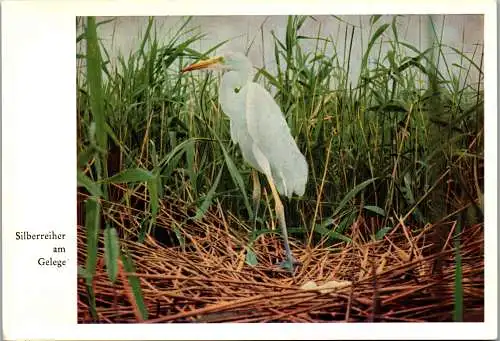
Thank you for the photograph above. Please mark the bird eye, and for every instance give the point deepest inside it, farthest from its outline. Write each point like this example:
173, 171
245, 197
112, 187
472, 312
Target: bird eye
236, 90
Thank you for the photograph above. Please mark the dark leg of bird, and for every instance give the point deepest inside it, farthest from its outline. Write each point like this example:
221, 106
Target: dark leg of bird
290, 262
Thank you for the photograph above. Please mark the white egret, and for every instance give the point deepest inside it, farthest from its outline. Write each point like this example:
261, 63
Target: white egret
259, 127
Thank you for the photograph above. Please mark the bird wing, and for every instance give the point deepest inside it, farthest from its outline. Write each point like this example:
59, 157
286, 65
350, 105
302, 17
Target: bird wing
271, 136
233, 105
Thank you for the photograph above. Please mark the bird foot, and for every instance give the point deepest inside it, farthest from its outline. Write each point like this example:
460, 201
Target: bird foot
289, 264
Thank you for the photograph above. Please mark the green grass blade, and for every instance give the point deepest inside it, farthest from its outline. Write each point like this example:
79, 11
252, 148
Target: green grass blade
375, 209
88, 184
96, 96
207, 202
374, 19
250, 257
352, 194
271, 79
191, 167
154, 200
94, 77
111, 252
330, 234
135, 284
179, 149
382, 232
130, 176
237, 178
372, 42
92, 225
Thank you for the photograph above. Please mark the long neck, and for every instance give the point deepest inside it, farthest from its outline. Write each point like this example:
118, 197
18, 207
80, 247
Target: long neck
231, 84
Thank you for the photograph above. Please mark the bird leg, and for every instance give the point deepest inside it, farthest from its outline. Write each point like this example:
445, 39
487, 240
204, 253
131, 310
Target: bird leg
290, 262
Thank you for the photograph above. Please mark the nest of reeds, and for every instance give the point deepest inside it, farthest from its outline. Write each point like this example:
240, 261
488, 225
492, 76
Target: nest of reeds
407, 276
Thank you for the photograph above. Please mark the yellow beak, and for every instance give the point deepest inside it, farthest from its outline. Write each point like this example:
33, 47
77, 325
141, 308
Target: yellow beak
203, 64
